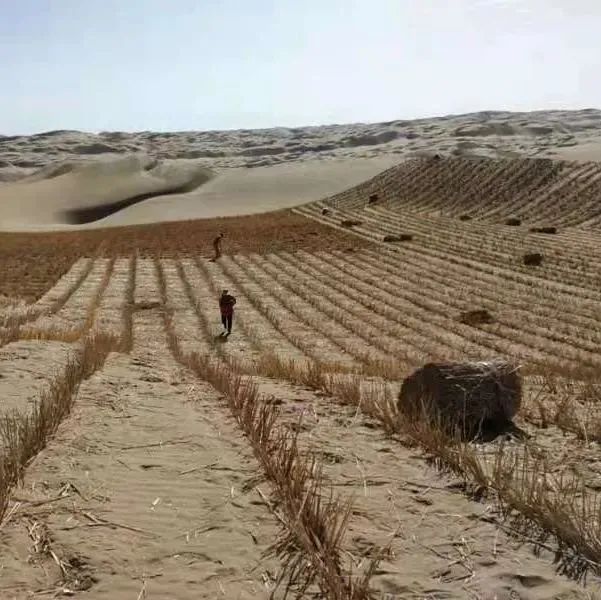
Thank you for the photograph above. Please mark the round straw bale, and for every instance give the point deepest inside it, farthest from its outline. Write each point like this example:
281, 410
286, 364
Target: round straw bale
325, 211
533, 259
462, 396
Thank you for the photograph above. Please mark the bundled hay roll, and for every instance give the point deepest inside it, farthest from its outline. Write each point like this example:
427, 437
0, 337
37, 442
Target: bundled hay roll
543, 229
462, 396
513, 221
533, 259
401, 237
373, 198
325, 211
476, 317
350, 222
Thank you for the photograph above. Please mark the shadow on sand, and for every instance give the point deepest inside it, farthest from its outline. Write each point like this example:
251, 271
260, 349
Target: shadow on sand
490, 431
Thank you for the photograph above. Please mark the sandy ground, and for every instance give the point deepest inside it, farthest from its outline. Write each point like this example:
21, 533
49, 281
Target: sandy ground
149, 488
70, 179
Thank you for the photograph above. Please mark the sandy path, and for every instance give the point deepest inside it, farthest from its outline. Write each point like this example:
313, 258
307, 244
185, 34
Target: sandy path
193, 532
26, 367
116, 296
185, 319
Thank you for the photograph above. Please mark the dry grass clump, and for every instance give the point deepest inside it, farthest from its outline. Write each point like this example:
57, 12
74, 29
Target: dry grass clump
571, 405
462, 398
23, 435
350, 223
465, 217
533, 259
513, 222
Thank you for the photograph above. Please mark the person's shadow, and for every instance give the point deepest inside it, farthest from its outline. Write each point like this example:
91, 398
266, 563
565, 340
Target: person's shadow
221, 338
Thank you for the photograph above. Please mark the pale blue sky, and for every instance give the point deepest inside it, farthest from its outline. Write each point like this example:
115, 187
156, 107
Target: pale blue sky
223, 64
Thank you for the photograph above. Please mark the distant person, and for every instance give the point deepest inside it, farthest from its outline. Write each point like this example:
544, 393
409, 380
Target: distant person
217, 245
226, 306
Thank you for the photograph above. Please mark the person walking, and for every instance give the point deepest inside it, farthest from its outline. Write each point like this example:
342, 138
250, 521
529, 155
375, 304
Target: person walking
217, 246
226, 306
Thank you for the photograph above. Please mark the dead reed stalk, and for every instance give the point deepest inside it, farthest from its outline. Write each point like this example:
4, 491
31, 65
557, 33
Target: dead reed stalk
571, 405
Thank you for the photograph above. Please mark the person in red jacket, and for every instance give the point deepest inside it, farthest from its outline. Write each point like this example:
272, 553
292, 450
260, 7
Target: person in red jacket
226, 306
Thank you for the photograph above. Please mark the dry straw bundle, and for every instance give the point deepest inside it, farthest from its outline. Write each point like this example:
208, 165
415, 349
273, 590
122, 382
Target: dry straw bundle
477, 316
543, 230
350, 222
533, 259
462, 396
400, 237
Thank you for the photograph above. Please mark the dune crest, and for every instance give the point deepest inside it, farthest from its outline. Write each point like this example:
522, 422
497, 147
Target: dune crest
76, 193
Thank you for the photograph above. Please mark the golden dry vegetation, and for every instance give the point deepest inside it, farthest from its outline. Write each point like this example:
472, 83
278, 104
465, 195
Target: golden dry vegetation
32, 262
160, 459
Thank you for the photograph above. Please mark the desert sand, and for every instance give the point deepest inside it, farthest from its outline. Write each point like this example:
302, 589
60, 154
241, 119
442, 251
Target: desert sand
144, 454
75, 180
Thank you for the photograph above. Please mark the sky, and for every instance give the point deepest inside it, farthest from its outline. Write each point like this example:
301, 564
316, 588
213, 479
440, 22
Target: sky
172, 65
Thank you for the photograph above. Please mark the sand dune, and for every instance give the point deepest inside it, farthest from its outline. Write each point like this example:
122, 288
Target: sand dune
137, 189
75, 194
245, 191
66, 179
